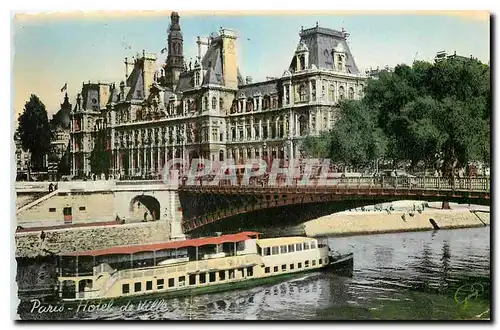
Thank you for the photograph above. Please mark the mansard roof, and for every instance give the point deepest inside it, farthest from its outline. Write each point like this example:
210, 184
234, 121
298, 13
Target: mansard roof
321, 42
136, 84
264, 88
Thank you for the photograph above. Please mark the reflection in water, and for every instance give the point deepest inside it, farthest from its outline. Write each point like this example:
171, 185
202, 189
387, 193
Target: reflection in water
404, 276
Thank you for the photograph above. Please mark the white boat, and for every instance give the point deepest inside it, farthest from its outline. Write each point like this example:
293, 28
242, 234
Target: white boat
191, 266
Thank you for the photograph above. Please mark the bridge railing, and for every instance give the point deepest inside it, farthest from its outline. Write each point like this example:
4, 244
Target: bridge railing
413, 183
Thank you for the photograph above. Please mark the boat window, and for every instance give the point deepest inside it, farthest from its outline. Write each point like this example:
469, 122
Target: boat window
125, 288
291, 248
211, 277
275, 269
313, 245
267, 270
283, 267
231, 274
283, 249
249, 271
299, 265
275, 250
266, 251
192, 279
203, 278
137, 286
306, 263
292, 266
171, 282
52, 209
149, 285
306, 246
159, 284
320, 261
182, 280
314, 262
222, 275
298, 247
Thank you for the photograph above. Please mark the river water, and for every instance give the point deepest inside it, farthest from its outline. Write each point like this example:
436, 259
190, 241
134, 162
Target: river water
409, 276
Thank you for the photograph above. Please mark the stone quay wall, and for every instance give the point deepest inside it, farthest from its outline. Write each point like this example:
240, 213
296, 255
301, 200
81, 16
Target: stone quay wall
30, 244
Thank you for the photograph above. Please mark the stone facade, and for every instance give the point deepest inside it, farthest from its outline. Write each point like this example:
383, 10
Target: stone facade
207, 109
29, 245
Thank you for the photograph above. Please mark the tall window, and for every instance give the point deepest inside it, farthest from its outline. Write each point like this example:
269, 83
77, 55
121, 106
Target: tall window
313, 90
197, 78
341, 92
331, 93
205, 103
302, 62
351, 93
221, 103
214, 103
302, 93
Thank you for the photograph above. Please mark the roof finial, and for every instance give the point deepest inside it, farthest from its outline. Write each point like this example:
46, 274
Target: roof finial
317, 23
302, 28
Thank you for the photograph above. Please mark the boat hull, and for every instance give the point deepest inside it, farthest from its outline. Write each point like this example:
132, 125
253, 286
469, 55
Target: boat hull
342, 264
338, 268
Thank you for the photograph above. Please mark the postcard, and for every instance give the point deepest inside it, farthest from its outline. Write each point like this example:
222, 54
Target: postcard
242, 165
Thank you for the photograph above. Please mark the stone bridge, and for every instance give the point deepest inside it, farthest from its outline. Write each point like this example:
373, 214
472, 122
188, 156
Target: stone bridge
205, 205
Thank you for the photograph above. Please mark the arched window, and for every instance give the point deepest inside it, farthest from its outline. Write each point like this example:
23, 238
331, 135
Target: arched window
221, 104
214, 103
221, 155
351, 93
361, 89
197, 78
205, 103
302, 93
331, 93
302, 62
341, 92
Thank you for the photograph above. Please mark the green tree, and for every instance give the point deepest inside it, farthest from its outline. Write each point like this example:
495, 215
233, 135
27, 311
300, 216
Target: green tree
426, 114
34, 131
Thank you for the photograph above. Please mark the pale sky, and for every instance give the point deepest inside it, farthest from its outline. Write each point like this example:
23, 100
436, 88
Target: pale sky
52, 50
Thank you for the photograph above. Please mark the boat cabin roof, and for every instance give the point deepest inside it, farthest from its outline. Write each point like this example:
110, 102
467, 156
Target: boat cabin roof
131, 249
269, 242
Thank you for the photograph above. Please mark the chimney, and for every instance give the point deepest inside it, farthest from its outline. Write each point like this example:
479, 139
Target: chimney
248, 80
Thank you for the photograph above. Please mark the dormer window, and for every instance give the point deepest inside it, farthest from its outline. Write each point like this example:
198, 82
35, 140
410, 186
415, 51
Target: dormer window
302, 62
197, 78
340, 63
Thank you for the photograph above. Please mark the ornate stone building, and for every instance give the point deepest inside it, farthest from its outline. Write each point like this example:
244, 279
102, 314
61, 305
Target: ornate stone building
207, 110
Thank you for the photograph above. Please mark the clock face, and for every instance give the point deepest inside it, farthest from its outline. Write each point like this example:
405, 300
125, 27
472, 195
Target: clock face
94, 101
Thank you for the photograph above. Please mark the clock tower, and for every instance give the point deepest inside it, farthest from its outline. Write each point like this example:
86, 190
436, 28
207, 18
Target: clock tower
175, 58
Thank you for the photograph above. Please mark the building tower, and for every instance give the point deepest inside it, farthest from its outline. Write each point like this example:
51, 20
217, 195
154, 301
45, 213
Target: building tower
175, 58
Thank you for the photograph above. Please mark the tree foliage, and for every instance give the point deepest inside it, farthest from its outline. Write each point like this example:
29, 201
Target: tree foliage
34, 131
427, 113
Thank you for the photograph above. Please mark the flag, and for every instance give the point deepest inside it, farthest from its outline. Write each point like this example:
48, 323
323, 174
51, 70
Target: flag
65, 87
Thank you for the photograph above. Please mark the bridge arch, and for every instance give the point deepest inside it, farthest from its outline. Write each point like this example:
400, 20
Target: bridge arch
150, 203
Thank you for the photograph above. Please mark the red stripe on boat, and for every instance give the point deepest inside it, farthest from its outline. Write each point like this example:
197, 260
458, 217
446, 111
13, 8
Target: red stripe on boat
131, 249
